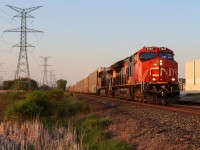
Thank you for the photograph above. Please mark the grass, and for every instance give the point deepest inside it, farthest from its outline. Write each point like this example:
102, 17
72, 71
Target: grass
4, 102
53, 131
95, 137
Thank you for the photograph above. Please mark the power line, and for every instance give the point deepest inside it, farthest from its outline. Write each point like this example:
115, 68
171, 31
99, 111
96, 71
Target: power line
23, 66
5, 13
4, 1
10, 16
5, 19
5, 42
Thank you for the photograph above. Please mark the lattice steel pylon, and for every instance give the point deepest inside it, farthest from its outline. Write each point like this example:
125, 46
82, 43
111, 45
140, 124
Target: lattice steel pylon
51, 78
45, 79
1, 77
23, 65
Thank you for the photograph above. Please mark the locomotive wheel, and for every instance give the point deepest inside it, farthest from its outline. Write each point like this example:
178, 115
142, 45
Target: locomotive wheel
138, 96
164, 101
155, 99
151, 99
174, 99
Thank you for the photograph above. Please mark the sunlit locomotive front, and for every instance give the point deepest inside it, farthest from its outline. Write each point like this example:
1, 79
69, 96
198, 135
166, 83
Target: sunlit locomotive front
158, 74
151, 75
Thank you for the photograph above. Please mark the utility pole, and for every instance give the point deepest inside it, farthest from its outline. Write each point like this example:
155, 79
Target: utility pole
45, 79
23, 65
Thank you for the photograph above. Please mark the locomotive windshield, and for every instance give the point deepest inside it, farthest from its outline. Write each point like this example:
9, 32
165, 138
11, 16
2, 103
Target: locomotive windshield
165, 55
144, 56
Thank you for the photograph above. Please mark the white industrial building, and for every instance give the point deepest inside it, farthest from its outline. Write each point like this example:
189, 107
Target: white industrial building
192, 75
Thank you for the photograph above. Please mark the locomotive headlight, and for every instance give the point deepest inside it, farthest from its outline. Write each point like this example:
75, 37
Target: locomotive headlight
173, 79
154, 79
161, 62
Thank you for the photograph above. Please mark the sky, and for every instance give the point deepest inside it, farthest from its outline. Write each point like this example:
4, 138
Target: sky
82, 35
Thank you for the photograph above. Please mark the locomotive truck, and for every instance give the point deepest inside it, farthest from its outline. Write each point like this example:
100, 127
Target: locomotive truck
149, 75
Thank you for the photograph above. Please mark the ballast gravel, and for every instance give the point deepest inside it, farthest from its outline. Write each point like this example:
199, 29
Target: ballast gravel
148, 128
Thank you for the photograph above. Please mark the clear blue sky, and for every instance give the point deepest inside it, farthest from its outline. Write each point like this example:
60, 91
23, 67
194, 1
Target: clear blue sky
82, 35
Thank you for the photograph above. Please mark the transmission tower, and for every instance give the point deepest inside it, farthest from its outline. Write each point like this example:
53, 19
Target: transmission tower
1, 80
22, 65
51, 78
1, 77
54, 80
45, 79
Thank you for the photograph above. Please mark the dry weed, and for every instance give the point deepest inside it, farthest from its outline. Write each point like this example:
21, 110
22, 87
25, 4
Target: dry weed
32, 135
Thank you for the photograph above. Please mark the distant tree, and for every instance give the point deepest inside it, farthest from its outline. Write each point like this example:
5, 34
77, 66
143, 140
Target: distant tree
25, 84
61, 84
45, 87
34, 85
7, 85
20, 84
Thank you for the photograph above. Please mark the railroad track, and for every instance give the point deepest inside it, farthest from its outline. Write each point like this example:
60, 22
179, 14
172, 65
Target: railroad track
194, 110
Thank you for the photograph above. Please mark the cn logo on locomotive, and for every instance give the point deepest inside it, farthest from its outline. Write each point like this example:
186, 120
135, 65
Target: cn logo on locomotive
169, 72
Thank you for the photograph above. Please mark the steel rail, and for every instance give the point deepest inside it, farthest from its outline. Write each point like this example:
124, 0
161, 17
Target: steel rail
194, 110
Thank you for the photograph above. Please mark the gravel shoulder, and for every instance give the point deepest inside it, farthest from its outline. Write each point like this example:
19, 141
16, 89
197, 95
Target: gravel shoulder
146, 127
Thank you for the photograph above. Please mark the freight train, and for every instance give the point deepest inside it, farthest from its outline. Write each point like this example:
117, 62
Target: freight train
149, 75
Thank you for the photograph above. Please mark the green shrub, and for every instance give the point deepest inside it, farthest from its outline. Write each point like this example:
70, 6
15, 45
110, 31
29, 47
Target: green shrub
34, 105
23, 109
38, 97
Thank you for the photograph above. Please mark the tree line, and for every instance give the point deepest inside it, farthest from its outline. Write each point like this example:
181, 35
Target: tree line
30, 84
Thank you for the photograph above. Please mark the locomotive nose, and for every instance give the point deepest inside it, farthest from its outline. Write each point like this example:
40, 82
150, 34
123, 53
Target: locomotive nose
167, 71
160, 70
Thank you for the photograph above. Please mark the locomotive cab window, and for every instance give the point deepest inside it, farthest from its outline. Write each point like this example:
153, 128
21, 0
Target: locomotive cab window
144, 56
165, 55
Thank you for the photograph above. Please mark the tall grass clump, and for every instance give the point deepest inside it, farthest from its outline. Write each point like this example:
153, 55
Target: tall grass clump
35, 104
56, 95
95, 136
32, 135
71, 107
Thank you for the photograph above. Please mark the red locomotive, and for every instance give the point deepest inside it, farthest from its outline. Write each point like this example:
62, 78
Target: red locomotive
149, 75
